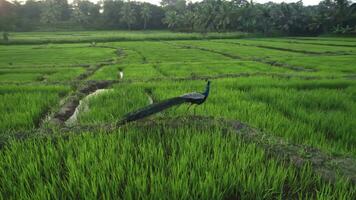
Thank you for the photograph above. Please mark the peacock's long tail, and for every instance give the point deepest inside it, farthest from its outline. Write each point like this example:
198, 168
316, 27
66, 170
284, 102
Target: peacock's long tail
193, 98
152, 109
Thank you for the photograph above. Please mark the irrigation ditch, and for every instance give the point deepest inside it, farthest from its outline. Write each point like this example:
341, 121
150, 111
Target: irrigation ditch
83, 106
71, 106
73, 101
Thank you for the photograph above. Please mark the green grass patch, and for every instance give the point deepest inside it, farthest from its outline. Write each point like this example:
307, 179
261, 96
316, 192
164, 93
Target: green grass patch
154, 162
23, 107
110, 36
32, 56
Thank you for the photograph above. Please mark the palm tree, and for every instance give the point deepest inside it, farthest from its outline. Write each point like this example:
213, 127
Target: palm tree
171, 19
223, 16
146, 14
128, 14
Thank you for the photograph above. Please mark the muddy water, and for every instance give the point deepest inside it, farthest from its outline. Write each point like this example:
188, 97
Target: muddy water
121, 74
83, 106
150, 100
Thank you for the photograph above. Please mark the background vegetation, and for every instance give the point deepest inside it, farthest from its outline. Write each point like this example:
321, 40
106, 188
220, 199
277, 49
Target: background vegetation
330, 16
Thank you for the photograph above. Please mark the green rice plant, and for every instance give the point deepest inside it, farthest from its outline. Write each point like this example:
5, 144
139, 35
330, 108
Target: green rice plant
52, 55
16, 77
41, 74
24, 107
64, 74
163, 52
322, 41
130, 72
316, 113
294, 46
130, 56
110, 72
109, 36
33, 88
141, 72
110, 106
154, 162
214, 68
338, 63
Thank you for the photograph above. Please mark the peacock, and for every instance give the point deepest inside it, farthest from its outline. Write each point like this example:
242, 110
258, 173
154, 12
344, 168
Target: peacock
192, 98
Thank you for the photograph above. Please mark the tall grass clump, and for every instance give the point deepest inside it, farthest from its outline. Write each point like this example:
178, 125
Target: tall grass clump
154, 162
110, 106
23, 107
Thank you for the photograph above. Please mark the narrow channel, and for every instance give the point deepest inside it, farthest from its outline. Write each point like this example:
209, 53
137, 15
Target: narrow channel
83, 106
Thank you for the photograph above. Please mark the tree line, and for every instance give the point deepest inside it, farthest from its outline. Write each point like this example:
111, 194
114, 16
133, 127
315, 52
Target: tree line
329, 16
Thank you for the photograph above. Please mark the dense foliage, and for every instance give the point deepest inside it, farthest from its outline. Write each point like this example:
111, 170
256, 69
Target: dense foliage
337, 16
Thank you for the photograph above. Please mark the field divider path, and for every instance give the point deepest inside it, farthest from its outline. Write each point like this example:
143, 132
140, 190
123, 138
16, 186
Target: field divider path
301, 41
93, 68
143, 58
260, 60
286, 49
159, 70
119, 52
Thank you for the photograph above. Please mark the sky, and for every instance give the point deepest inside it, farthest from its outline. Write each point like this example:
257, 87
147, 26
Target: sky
306, 2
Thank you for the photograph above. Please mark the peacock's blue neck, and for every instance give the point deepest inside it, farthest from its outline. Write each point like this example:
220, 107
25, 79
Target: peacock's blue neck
207, 89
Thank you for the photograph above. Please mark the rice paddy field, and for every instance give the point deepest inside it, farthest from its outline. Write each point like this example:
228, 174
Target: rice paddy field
279, 122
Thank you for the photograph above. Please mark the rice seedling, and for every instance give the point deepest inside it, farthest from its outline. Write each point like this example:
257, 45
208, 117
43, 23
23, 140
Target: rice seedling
294, 46
163, 52
322, 41
109, 36
154, 162
52, 55
24, 107
112, 105
41, 74
336, 63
